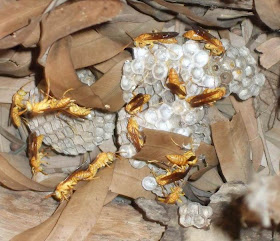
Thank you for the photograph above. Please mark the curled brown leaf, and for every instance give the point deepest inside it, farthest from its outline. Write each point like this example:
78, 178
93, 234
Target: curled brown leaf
71, 17
17, 14
13, 179
232, 147
269, 12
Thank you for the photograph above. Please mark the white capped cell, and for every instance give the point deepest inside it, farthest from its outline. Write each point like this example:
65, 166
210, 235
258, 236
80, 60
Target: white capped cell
159, 71
151, 116
228, 63
179, 106
161, 55
149, 61
165, 112
138, 66
244, 94
149, 183
244, 51
235, 87
249, 70
232, 52
185, 131
127, 96
140, 52
259, 79
246, 82
137, 164
175, 51
240, 62
238, 74
197, 73
127, 150
209, 81
126, 83
190, 47
201, 58
127, 68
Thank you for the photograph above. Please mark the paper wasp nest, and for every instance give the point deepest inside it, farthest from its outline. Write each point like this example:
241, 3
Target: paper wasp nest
70, 135
147, 73
194, 214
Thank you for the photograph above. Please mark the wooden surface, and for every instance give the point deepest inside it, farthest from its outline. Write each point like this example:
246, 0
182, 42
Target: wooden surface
122, 222
21, 210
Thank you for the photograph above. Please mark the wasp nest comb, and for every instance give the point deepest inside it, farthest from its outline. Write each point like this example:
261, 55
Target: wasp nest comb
70, 135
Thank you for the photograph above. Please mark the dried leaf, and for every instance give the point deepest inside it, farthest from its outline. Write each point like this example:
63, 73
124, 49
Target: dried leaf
127, 180
147, 9
211, 160
210, 181
268, 11
247, 29
9, 86
270, 52
33, 38
106, 91
21, 35
15, 63
247, 111
13, 179
111, 38
159, 144
17, 14
41, 231
75, 16
86, 46
274, 152
232, 146
236, 40
224, 18
185, 11
86, 203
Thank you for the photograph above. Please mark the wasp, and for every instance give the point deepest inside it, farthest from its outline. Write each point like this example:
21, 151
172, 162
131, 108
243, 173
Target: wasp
212, 43
35, 143
103, 159
15, 115
188, 158
170, 177
64, 189
208, 97
152, 38
77, 111
174, 196
134, 134
135, 105
175, 85
17, 108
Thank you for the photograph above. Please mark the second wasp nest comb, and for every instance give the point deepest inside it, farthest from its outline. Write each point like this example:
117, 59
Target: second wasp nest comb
198, 70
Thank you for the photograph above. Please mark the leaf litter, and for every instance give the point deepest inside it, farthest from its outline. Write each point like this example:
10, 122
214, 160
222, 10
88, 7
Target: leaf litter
98, 36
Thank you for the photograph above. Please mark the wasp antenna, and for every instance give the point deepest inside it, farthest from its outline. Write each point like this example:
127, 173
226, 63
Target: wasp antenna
49, 195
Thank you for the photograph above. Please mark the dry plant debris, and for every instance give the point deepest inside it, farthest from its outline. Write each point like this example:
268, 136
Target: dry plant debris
173, 104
